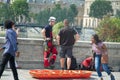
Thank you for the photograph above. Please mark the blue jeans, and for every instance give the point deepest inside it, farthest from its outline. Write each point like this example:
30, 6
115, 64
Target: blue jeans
98, 64
106, 69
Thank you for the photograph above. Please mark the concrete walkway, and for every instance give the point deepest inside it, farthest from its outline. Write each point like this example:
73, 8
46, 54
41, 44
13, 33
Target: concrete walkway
24, 75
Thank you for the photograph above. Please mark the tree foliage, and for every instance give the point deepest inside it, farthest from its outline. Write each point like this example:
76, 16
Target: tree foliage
42, 17
58, 12
100, 8
57, 27
74, 9
109, 29
6, 12
20, 8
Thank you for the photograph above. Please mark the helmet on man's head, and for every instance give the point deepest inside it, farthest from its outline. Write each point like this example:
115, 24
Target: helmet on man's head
52, 18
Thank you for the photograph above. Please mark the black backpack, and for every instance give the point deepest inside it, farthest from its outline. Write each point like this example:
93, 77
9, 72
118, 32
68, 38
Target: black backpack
73, 63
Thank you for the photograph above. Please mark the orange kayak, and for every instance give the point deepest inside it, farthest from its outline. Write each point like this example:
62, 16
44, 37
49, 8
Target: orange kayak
59, 74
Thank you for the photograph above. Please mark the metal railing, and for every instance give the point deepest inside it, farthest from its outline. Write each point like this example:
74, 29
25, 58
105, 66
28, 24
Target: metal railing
25, 30
34, 31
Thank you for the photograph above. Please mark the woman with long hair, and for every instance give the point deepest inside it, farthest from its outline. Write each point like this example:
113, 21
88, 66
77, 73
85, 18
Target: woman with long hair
100, 49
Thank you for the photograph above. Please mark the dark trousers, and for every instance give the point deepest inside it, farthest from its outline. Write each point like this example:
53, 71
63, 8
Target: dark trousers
7, 57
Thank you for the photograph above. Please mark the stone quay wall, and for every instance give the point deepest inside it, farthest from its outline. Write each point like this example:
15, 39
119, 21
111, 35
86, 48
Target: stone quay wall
31, 53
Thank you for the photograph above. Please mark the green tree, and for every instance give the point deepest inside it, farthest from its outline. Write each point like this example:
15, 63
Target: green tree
72, 12
58, 12
109, 29
42, 17
6, 12
20, 8
100, 8
73, 7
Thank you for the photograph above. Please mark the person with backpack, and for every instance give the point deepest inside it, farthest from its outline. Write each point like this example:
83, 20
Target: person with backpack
66, 39
101, 56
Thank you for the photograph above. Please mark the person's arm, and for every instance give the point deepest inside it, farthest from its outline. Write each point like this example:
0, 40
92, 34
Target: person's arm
17, 31
43, 33
102, 48
77, 37
1, 49
58, 39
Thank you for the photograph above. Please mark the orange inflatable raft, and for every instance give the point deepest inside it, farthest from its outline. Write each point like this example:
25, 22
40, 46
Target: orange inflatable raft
60, 74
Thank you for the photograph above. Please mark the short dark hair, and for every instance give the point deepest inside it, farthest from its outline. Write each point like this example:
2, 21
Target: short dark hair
8, 24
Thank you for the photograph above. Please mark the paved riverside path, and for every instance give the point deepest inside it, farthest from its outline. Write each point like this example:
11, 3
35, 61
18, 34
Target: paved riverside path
24, 75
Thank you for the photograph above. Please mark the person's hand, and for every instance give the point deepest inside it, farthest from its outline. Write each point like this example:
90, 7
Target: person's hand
1, 49
98, 47
17, 54
58, 43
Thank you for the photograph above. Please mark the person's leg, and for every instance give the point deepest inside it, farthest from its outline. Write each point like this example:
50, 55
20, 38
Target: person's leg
62, 57
69, 56
68, 63
62, 62
47, 52
8, 64
4, 61
106, 69
46, 56
16, 64
53, 56
13, 67
98, 64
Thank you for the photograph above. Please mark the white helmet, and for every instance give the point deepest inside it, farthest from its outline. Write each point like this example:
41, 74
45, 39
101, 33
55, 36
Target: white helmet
52, 18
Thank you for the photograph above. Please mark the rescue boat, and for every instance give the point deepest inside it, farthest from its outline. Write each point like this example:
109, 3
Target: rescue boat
59, 74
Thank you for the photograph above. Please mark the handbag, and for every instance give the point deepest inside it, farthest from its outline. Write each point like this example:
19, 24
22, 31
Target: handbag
104, 58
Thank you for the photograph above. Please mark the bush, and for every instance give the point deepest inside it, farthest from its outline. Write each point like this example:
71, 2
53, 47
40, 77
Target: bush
109, 29
57, 27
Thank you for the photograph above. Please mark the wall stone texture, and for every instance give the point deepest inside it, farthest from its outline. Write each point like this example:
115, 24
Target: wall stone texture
31, 53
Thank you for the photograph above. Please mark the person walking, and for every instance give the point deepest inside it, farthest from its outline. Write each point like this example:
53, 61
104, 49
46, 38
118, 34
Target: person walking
10, 49
66, 39
49, 59
99, 48
17, 52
